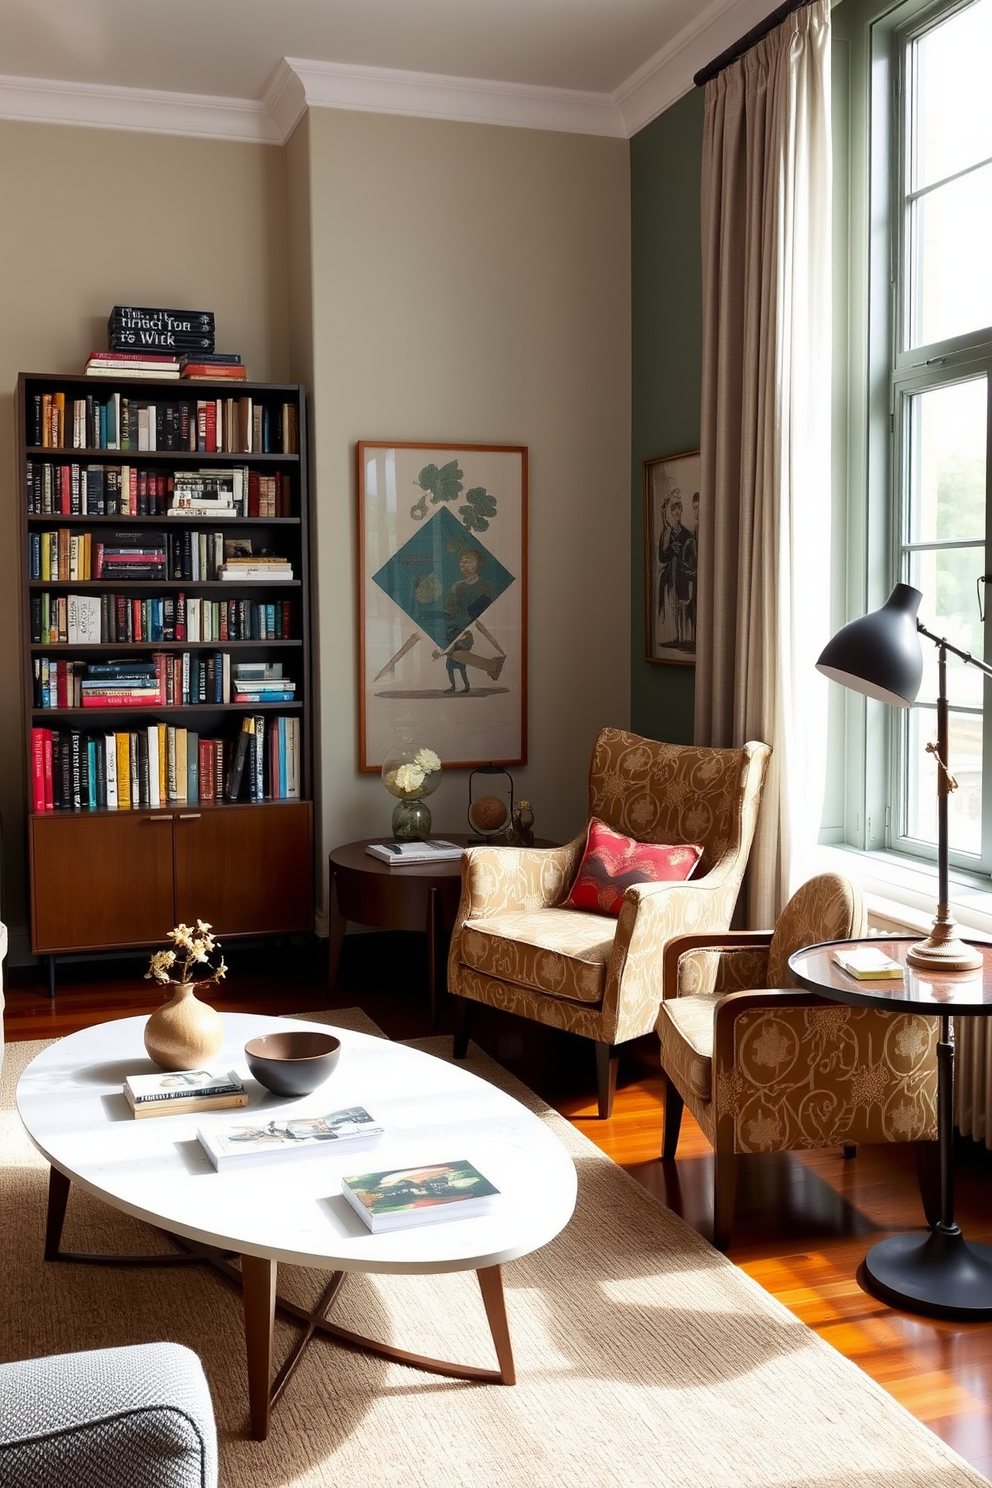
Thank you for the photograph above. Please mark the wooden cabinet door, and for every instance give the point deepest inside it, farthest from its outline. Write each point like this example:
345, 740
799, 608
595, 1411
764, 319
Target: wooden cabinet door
246, 870
100, 880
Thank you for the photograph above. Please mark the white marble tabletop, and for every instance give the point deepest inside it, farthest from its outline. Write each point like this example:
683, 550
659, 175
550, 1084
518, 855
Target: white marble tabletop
71, 1103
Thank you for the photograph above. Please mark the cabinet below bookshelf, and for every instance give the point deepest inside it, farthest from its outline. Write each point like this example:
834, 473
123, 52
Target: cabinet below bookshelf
115, 879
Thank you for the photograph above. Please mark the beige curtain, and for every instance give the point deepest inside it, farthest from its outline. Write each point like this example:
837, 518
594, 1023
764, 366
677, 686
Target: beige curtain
765, 436
973, 1078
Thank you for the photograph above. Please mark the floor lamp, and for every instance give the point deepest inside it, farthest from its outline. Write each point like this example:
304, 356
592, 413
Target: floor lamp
880, 656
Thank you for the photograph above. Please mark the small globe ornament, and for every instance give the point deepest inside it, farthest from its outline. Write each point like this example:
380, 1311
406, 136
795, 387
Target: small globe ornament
488, 815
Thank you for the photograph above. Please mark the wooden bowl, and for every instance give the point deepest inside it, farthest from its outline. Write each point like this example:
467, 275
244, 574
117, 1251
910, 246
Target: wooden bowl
292, 1063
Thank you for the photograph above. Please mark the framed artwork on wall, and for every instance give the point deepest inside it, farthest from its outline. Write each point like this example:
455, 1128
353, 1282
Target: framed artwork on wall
443, 601
671, 520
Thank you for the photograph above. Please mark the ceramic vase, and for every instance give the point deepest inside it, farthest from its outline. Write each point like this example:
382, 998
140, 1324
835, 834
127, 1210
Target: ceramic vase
184, 1033
411, 821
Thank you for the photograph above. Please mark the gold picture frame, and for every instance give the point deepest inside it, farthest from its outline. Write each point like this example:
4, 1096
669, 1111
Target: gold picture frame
671, 553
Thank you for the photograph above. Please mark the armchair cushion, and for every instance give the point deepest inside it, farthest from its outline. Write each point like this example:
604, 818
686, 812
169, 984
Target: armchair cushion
559, 952
612, 861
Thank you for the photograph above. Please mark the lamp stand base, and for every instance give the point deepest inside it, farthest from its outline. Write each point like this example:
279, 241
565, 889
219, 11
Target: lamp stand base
943, 950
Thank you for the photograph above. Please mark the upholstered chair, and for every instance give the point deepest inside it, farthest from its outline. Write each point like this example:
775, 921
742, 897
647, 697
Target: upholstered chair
515, 945
767, 1067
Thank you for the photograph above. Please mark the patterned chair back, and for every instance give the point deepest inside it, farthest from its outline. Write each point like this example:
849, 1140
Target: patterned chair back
669, 793
827, 907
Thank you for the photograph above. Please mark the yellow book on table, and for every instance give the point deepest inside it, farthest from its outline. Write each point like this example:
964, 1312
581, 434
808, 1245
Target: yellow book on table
868, 965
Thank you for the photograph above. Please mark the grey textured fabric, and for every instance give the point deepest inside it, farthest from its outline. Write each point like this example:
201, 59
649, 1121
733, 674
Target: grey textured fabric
138, 1417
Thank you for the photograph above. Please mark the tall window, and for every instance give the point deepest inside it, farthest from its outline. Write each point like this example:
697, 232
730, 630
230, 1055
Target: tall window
939, 334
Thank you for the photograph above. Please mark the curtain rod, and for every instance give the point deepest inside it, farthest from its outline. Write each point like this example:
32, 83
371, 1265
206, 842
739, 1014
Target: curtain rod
746, 42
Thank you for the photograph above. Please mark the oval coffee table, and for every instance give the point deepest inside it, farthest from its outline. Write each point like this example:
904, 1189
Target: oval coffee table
70, 1101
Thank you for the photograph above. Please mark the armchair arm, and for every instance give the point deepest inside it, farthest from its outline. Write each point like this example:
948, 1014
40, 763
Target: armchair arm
516, 878
679, 951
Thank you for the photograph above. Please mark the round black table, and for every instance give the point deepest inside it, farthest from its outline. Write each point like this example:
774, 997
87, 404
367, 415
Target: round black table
940, 1274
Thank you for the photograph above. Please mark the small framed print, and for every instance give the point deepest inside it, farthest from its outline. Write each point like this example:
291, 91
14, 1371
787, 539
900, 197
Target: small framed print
671, 554
443, 601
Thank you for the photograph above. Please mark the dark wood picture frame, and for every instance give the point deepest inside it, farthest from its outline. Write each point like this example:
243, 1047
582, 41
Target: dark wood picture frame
671, 519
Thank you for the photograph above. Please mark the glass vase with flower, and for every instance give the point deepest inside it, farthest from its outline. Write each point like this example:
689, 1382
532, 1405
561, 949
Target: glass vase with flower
411, 772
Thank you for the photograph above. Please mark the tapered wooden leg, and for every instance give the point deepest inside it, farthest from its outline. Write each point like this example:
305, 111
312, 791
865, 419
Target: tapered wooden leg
491, 1283
674, 1106
607, 1060
259, 1282
335, 938
724, 1194
466, 1016
58, 1198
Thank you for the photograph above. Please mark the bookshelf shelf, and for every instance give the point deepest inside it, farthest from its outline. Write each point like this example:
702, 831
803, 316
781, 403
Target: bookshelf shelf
230, 778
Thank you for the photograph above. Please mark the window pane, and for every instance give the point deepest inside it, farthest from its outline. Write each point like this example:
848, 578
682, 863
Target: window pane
951, 228
946, 475
953, 98
951, 574
964, 806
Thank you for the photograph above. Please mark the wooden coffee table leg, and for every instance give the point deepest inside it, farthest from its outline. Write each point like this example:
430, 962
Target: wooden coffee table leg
491, 1282
259, 1282
58, 1198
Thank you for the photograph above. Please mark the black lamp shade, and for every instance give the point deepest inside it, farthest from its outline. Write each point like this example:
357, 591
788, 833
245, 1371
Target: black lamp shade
880, 654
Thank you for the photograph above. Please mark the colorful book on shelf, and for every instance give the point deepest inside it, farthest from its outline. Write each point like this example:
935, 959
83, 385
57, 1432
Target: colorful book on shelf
400, 1197
868, 964
396, 854
213, 372
249, 1142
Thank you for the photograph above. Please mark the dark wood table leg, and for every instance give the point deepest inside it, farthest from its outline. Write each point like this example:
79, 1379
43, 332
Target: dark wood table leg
259, 1283
335, 936
491, 1283
58, 1198
433, 912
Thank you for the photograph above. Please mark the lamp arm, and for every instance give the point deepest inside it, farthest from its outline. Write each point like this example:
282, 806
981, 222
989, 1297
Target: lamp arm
962, 655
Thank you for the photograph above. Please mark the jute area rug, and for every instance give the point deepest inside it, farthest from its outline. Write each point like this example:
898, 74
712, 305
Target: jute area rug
644, 1357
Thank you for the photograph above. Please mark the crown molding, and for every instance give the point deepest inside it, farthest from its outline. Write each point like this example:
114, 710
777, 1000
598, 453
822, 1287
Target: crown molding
427, 95
297, 84
89, 105
667, 76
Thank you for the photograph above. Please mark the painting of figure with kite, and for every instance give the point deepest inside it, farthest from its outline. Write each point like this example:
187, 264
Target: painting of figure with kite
443, 601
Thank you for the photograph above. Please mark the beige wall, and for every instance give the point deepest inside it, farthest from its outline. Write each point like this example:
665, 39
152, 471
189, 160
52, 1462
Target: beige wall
427, 281
471, 283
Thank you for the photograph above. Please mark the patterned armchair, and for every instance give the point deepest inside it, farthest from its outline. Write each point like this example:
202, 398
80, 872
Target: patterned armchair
514, 945
773, 1071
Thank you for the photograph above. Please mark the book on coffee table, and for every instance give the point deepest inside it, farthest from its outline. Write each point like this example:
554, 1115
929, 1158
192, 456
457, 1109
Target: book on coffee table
250, 1142
396, 854
169, 1092
409, 1196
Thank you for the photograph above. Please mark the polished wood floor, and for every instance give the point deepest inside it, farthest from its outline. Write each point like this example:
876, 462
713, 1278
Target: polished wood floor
803, 1223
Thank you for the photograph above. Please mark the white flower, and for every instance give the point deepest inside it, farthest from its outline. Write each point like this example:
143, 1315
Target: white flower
427, 760
196, 946
408, 778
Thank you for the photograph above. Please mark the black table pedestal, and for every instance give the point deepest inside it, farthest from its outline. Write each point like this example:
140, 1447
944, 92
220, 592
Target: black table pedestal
940, 1274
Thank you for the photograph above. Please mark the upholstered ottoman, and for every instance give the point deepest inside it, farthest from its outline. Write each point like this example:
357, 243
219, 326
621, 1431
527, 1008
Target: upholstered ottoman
134, 1417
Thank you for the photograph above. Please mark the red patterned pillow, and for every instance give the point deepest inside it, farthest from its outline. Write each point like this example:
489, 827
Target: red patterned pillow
611, 862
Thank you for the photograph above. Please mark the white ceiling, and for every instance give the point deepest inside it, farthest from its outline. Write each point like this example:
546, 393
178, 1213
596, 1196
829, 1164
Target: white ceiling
606, 65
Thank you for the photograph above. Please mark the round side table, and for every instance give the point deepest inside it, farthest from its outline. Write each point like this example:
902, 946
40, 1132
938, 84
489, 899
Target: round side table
418, 896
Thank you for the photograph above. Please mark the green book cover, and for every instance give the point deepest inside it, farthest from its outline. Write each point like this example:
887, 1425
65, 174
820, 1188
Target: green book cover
399, 1196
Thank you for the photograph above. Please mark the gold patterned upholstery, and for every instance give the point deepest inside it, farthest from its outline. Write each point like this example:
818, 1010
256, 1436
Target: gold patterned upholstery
777, 1070
515, 947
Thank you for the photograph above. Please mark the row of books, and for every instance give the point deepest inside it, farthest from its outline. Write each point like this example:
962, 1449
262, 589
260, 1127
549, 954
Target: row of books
59, 555
168, 680
165, 367
110, 619
77, 490
226, 425
162, 765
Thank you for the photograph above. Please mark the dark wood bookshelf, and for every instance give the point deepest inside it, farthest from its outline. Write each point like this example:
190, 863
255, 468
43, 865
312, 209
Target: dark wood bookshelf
102, 879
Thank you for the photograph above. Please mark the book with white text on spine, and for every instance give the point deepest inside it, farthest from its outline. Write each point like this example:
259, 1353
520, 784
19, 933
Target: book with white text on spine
258, 1141
411, 1196
868, 965
170, 1092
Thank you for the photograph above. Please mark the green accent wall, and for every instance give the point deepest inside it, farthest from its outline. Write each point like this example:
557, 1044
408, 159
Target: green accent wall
666, 350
